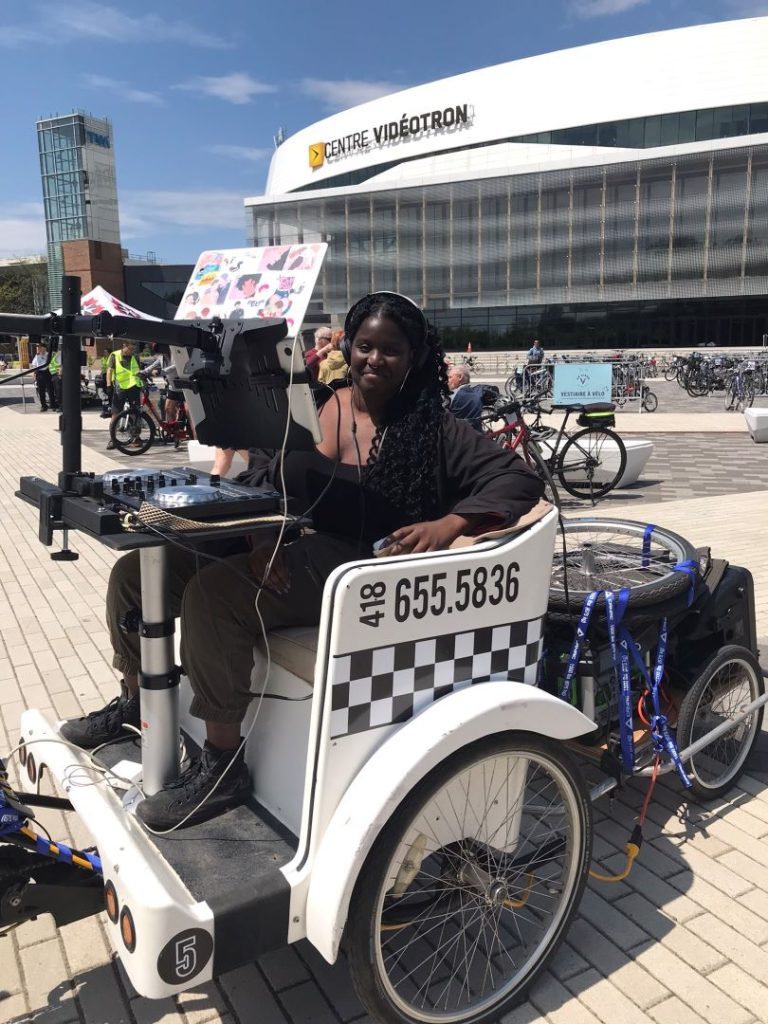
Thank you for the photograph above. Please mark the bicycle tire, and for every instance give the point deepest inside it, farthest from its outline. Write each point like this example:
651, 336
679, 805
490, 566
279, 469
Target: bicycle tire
745, 400
541, 865
607, 554
709, 701
581, 459
670, 373
650, 402
127, 438
510, 387
538, 464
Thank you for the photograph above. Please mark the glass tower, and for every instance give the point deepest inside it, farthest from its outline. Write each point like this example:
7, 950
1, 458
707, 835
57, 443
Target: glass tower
77, 164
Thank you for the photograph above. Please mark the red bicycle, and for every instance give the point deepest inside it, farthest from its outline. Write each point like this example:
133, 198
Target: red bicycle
588, 463
135, 429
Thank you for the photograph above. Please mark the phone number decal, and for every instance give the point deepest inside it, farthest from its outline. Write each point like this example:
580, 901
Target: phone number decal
439, 593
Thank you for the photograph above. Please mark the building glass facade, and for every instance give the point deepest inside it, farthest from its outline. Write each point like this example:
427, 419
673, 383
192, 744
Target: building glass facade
77, 166
644, 235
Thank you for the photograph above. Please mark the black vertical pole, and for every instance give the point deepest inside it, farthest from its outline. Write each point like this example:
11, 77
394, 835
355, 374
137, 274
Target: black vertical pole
71, 419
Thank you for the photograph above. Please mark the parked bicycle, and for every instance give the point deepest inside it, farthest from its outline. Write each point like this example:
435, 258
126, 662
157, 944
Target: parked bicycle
588, 463
135, 429
740, 389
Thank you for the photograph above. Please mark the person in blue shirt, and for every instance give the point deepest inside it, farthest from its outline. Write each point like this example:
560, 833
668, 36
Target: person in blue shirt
466, 399
536, 352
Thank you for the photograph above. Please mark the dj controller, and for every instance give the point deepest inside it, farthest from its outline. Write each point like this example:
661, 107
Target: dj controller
99, 502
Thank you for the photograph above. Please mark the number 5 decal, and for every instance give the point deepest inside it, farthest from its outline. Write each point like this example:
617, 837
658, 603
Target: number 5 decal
186, 957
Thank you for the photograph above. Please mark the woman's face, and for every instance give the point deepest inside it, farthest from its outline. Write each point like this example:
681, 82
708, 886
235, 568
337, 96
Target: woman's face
381, 358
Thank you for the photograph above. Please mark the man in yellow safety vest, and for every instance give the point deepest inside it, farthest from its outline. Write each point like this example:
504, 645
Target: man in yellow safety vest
123, 376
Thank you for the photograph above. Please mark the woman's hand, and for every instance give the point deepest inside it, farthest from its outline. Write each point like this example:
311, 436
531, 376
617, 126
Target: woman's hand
430, 536
279, 578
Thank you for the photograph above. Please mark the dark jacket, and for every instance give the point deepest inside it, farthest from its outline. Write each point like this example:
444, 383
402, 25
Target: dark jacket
467, 404
474, 476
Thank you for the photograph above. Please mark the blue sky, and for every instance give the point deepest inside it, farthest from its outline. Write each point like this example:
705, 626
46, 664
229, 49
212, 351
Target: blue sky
196, 91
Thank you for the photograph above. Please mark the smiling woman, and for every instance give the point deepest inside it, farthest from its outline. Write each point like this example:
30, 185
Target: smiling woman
393, 466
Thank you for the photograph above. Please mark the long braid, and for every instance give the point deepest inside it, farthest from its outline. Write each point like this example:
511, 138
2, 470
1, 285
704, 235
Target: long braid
402, 462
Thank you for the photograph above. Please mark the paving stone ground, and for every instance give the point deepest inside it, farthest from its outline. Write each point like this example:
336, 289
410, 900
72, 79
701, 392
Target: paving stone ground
683, 939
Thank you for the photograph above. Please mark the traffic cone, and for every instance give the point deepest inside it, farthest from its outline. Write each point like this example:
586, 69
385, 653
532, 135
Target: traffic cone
469, 348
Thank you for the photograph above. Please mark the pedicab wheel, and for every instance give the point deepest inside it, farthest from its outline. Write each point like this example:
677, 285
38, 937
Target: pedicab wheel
472, 884
611, 554
728, 682
133, 432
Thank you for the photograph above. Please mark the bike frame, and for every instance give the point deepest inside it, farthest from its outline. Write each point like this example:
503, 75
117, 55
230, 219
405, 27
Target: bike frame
170, 430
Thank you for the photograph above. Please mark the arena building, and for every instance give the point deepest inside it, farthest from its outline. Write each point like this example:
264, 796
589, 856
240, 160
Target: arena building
614, 194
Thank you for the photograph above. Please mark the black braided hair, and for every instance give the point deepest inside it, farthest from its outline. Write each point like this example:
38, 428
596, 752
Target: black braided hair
402, 463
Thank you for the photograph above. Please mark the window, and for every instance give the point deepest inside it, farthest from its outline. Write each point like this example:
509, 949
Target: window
652, 132
437, 216
670, 129
726, 233
691, 189
620, 195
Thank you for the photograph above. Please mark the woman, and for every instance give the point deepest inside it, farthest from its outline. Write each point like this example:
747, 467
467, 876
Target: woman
392, 464
334, 366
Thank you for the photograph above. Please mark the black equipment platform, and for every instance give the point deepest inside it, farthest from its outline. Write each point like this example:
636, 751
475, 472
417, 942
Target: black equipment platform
232, 863
96, 505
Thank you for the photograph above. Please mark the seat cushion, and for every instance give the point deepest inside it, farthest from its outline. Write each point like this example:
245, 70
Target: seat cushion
294, 648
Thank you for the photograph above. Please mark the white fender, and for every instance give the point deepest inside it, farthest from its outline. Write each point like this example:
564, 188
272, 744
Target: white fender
453, 722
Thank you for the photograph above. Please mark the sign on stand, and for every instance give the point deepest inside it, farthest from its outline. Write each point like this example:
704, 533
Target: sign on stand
581, 383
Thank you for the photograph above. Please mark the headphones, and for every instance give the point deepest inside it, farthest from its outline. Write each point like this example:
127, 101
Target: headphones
420, 351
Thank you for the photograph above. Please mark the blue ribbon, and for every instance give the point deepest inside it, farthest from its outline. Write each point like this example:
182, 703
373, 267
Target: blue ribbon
691, 569
578, 639
647, 544
621, 642
663, 741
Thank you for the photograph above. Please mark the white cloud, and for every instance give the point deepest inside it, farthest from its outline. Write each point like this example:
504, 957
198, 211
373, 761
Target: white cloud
347, 92
152, 212
22, 229
250, 153
122, 89
237, 87
83, 19
603, 8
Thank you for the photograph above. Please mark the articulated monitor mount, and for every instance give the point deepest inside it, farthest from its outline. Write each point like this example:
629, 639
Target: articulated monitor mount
246, 387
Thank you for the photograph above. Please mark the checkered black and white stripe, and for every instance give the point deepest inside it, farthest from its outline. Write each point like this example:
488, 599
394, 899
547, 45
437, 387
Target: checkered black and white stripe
382, 685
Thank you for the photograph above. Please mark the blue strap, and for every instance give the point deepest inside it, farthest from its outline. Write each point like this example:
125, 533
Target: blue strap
11, 819
578, 640
621, 642
647, 544
663, 741
691, 569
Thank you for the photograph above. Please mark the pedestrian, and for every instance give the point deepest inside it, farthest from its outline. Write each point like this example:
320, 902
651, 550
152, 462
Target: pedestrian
334, 366
43, 379
466, 398
123, 370
536, 353
314, 356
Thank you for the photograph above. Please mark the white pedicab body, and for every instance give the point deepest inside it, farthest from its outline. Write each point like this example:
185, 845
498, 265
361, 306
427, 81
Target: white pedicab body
392, 769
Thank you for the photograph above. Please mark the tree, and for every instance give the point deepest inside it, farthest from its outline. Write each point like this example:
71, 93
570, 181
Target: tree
24, 287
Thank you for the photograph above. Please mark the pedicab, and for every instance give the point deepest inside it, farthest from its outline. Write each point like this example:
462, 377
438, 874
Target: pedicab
418, 804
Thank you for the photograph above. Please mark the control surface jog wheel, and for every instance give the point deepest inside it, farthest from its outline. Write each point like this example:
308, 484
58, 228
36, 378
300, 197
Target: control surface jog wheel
471, 884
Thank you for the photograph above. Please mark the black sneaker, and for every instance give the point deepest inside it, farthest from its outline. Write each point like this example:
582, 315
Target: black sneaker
171, 805
104, 725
